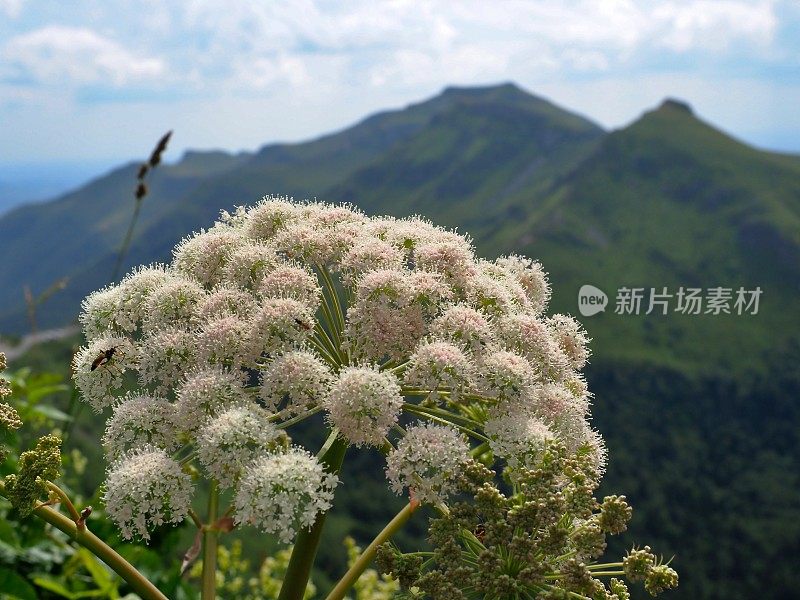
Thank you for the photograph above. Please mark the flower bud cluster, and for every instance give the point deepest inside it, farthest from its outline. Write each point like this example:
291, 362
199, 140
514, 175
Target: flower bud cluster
542, 541
9, 418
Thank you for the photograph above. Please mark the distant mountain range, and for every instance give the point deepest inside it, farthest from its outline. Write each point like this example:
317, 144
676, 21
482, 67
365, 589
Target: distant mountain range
700, 412
668, 201
22, 183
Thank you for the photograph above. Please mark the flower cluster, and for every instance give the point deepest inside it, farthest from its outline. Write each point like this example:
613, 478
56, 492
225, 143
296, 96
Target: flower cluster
392, 328
284, 492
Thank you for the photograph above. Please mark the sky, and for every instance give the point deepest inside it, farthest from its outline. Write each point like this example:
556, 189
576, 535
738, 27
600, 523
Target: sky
101, 81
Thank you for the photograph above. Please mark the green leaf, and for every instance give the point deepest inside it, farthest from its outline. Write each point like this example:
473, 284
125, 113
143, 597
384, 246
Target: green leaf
51, 412
37, 393
52, 585
95, 594
16, 587
8, 533
100, 575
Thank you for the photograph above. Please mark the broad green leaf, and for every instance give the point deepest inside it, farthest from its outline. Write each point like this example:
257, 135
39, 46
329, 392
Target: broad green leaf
53, 585
51, 412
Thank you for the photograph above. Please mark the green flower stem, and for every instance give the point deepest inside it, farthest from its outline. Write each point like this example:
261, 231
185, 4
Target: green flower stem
368, 555
307, 542
335, 297
445, 419
323, 351
210, 538
327, 313
332, 308
478, 450
62, 495
195, 519
444, 414
322, 335
100, 549
301, 417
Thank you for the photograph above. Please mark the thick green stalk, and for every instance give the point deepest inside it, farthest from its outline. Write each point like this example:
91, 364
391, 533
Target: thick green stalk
366, 558
101, 550
307, 542
210, 537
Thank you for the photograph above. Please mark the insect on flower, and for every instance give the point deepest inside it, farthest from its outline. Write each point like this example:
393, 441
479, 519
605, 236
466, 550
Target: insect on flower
104, 357
303, 324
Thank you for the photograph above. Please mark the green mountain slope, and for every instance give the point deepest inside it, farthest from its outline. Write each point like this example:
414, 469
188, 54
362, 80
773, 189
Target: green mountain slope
671, 202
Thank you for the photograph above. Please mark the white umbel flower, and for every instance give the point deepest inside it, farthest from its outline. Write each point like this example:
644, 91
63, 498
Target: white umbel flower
269, 216
364, 403
440, 366
294, 382
304, 242
282, 493
99, 376
292, 281
173, 304
325, 215
280, 324
465, 326
530, 336
552, 402
489, 295
203, 256
505, 374
224, 341
226, 301
99, 312
166, 355
571, 338
248, 264
516, 435
206, 393
384, 320
134, 290
531, 276
452, 258
140, 421
145, 488
427, 461
370, 254
229, 442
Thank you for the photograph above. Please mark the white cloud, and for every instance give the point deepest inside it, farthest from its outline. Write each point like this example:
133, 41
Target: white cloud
66, 55
244, 72
11, 8
409, 42
714, 25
